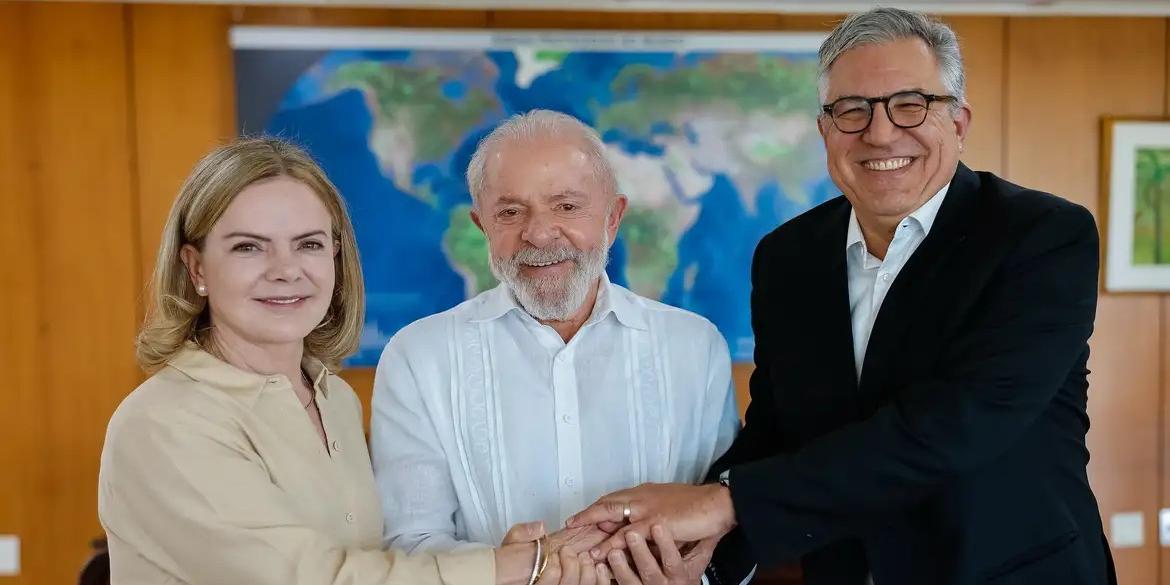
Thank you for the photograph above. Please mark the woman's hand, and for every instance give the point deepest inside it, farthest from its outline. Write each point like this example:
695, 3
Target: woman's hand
567, 550
526, 532
517, 553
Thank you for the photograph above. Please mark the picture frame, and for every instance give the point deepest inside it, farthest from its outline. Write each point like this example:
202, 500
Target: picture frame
1135, 204
713, 138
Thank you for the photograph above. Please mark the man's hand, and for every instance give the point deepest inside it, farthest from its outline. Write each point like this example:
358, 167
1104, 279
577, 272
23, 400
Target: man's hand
675, 568
690, 513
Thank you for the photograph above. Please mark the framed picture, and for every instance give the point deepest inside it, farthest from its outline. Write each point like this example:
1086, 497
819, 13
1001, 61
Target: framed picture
712, 136
1135, 172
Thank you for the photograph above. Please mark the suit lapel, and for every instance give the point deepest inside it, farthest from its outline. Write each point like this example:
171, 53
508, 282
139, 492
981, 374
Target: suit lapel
828, 287
924, 280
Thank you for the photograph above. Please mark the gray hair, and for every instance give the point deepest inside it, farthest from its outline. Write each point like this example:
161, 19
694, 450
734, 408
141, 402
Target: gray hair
539, 124
883, 25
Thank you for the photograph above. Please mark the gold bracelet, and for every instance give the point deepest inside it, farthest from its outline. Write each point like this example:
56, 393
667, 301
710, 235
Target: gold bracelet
536, 568
543, 550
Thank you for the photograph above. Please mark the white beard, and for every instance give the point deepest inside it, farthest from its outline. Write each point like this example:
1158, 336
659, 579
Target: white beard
548, 299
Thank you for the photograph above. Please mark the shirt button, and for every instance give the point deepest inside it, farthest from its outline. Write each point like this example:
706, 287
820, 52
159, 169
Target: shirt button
568, 418
349, 518
336, 446
569, 482
885, 277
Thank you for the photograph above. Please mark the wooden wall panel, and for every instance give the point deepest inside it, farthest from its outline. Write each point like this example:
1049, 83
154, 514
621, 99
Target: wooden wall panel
183, 103
314, 16
75, 201
90, 267
104, 108
741, 374
556, 19
1164, 359
1063, 75
21, 456
362, 380
1164, 436
981, 39
527, 19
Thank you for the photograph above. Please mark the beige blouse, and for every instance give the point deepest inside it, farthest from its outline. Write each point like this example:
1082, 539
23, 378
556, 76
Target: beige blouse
215, 476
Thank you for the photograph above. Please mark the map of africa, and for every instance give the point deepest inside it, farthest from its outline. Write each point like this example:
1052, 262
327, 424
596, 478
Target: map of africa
714, 141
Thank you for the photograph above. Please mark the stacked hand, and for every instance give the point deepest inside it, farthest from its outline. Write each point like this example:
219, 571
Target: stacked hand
603, 544
569, 562
665, 565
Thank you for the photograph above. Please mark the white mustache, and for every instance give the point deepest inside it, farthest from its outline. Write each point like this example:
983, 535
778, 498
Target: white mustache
545, 256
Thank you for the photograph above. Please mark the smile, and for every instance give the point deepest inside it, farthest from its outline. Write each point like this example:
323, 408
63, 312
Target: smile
282, 300
542, 264
887, 164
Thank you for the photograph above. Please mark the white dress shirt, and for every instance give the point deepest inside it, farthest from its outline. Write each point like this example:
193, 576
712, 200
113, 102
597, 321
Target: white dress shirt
870, 279
482, 417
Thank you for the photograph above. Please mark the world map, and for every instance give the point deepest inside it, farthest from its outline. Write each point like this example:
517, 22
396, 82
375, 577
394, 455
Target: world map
714, 147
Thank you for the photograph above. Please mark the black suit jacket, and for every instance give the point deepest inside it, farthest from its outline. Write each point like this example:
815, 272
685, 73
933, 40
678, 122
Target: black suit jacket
959, 456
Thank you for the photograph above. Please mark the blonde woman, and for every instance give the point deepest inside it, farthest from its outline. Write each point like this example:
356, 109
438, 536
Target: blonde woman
241, 460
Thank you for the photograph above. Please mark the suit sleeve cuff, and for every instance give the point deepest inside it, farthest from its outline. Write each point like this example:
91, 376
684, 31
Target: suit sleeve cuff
774, 532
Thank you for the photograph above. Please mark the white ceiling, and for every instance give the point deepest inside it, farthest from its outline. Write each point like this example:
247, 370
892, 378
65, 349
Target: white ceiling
1025, 7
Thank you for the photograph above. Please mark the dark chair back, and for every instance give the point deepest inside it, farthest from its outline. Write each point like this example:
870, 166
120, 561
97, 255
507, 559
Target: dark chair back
97, 569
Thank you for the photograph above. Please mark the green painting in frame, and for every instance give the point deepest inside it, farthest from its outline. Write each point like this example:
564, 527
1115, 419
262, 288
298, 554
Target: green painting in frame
1136, 201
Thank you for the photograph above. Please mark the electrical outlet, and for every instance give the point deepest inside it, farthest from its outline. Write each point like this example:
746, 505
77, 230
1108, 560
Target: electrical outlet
9, 555
1127, 530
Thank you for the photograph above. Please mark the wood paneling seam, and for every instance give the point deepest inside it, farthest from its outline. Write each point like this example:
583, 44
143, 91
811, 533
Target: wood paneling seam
132, 150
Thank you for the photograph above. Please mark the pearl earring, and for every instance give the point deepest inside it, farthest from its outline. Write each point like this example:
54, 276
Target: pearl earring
201, 290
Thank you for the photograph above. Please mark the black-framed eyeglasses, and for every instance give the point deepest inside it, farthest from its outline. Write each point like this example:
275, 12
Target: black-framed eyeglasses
906, 109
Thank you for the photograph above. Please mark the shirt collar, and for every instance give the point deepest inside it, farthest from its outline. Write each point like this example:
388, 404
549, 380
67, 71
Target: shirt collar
493, 304
199, 365
621, 302
924, 216
611, 298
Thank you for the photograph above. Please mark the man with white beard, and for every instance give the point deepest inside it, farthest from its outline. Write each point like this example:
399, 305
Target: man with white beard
533, 399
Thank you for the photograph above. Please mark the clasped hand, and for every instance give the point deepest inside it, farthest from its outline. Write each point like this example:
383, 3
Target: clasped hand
602, 544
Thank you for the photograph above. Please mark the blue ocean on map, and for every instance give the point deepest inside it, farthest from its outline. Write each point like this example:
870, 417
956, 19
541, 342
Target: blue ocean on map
714, 149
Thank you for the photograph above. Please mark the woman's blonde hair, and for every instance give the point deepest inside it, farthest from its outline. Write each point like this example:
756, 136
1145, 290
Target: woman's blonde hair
179, 315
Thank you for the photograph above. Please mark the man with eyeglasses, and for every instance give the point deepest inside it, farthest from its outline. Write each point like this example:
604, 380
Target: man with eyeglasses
918, 410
